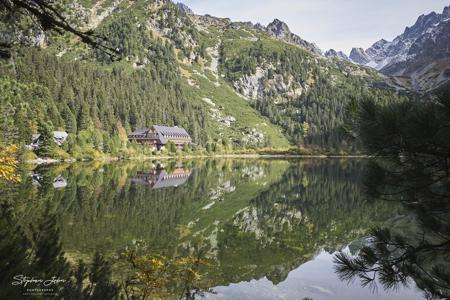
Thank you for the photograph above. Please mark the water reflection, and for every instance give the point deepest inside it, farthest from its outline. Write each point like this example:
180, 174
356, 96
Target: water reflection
59, 182
161, 178
314, 279
414, 247
254, 221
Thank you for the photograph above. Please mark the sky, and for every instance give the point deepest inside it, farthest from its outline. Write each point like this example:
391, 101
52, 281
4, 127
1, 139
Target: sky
337, 24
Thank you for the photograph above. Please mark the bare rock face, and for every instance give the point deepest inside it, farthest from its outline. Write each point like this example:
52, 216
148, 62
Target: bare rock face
421, 53
208, 20
377, 51
32, 37
90, 17
359, 56
250, 136
164, 21
336, 54
261, 83
251, 86
277, 29
223, 120
281, 31
80, 17
184, 8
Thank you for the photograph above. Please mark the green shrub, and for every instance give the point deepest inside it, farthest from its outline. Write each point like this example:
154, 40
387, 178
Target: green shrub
59, 153
28, 155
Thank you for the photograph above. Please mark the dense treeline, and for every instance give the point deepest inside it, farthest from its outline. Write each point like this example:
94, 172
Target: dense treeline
99, 100
316, 116
96, 100
92, 94
79, 96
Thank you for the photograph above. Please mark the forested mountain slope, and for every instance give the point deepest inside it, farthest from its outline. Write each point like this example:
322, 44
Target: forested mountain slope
227, 83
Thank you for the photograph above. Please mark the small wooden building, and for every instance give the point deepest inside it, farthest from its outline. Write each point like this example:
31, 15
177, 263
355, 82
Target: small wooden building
158, 136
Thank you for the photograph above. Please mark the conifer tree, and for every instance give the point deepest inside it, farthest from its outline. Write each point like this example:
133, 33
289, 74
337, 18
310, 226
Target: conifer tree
47, 143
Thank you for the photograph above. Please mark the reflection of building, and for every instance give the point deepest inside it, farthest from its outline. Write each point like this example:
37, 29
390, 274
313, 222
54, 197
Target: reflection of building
59, 182
158, 136
160, 178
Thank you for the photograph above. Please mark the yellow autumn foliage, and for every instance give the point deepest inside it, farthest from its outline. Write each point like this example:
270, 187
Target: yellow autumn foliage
8, 164
156, 277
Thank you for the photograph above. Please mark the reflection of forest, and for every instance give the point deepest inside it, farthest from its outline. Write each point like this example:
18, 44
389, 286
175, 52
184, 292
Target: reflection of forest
315, 205
102, 208
252, 218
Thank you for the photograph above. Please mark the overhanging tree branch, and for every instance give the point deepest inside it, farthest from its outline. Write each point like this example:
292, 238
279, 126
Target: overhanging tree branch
46, 14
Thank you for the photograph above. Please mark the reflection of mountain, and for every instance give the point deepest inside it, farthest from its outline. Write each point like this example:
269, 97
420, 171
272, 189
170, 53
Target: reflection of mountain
103, 209
315, 205
160, 178
255, 218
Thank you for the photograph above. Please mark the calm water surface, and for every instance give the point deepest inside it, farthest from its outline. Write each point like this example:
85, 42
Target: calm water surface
268, 228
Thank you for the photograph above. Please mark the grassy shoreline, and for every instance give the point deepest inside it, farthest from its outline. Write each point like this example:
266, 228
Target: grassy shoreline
41, 161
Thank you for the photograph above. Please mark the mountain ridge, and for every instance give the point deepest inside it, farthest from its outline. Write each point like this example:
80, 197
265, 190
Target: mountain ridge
240, 84
419, 58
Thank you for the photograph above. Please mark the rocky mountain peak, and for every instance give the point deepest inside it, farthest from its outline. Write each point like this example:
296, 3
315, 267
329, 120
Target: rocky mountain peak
259, 26
336, 54
377, 49
331, 53
380, 43
208, 20
184, 8
446, 12
281, 31
278, 28
421, 52
359, 56
422, 24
